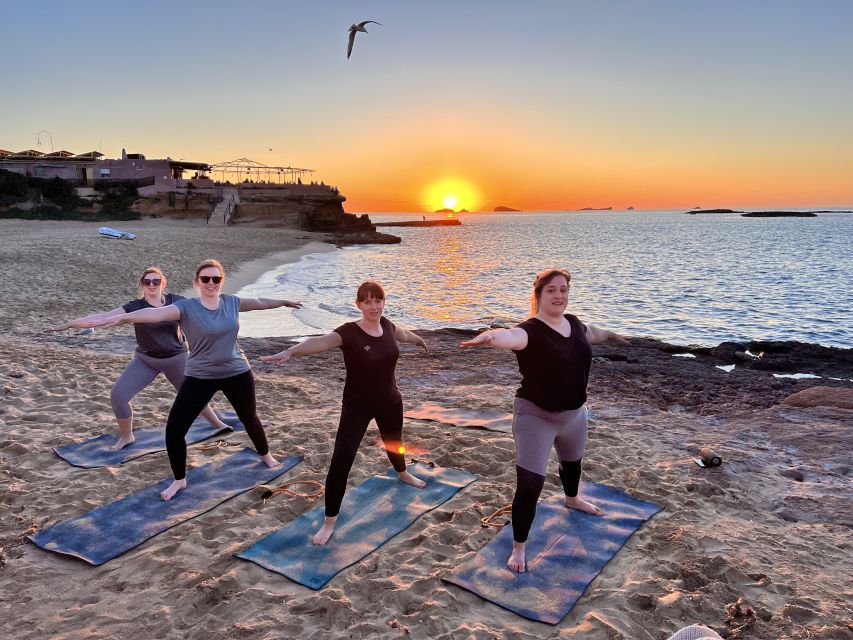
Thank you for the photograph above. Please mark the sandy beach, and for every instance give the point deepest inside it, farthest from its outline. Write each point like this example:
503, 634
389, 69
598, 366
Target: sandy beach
757, 548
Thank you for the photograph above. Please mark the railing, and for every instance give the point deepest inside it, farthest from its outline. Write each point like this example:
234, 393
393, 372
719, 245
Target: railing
229, 209
212, 209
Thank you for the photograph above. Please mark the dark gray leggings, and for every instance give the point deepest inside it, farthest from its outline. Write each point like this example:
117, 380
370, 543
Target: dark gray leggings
535, 432
139, 373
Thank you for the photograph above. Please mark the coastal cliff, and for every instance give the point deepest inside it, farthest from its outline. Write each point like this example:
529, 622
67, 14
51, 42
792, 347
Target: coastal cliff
315, 208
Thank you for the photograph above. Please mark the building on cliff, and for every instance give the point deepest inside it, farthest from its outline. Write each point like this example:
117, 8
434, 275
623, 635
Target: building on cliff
92, 168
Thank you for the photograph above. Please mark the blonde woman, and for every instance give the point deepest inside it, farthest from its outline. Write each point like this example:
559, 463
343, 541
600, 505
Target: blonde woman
216, 362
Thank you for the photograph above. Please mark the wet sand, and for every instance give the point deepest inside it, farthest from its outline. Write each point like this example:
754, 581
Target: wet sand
757, 548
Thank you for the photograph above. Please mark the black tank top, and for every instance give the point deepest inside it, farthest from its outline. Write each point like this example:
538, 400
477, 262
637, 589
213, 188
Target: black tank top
370, 362
554, 369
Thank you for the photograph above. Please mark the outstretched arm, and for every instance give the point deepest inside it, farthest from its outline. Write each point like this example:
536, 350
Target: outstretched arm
317, 344
596, 335
85, 321
259, 304
515, 339
143, 316
407, 337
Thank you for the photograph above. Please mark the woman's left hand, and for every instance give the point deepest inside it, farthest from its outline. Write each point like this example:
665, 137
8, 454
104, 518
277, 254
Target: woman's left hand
292, 305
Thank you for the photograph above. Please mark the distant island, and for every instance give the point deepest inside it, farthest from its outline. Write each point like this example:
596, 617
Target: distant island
594, 209
779, 214
695, 211
763, 214
502, 209
444, 211
629, 209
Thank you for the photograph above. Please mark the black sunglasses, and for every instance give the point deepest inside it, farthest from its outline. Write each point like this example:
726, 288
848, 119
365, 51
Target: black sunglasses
153, 282
206, 279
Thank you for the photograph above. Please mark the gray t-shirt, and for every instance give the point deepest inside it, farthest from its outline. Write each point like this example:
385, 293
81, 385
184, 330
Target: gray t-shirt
214, 352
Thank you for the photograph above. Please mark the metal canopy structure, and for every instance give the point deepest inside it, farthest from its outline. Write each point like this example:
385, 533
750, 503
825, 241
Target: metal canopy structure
237, 171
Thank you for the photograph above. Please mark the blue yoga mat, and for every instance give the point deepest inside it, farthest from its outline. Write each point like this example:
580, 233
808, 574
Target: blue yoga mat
109, 531
566, 549
94, 453
371, 514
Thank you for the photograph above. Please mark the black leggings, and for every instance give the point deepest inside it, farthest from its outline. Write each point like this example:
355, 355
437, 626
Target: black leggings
527, 489
354, 420
193, 395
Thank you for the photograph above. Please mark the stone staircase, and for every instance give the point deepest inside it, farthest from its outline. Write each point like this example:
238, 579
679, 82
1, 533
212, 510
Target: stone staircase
225, 208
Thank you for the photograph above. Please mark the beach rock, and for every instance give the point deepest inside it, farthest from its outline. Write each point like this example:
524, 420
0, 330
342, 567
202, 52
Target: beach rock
839, 397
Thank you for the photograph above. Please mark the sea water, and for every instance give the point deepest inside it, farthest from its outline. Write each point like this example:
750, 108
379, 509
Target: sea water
685, 279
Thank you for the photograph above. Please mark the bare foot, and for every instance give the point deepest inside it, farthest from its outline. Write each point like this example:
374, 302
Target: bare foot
173, 488
122, 443
325, 532
271, 462
582, 505
218, 424
516, 559
408, 478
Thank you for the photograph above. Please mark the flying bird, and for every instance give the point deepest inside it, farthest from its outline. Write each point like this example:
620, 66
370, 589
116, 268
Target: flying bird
352, 31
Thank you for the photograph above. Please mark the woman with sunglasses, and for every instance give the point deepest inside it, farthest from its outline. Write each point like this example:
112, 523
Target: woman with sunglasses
160, 348
216, 362
554, 357
370, 392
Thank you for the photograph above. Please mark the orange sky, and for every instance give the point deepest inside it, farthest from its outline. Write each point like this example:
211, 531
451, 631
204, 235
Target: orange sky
578, 104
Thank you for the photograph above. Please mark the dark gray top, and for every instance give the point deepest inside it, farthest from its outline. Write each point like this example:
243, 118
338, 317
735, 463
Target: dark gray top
214, 352
158, 339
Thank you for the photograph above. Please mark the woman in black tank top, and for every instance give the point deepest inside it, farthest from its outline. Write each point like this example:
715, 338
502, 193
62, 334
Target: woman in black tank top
370, 392
554, 356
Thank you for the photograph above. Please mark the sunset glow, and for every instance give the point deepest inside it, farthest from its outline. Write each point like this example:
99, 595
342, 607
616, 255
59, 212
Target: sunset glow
451, 193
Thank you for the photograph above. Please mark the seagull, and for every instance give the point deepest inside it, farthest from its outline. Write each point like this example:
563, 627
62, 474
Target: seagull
357, 27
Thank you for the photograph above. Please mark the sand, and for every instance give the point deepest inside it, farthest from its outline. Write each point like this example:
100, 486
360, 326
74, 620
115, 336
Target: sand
758, 548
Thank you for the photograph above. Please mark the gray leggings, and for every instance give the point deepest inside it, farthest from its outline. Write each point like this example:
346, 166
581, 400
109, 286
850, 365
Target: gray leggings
536, 430
139, 373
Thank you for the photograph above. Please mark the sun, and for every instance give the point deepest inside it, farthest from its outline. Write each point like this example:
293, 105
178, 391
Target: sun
451, 193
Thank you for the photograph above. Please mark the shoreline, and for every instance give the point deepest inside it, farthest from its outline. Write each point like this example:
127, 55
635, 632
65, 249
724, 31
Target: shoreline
247, 273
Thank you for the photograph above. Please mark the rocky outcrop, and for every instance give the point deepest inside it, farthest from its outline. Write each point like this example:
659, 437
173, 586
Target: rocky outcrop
501, 209
839, 397
315, 208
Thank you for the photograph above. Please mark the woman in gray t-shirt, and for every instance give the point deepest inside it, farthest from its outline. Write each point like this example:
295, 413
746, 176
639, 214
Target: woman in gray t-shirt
160, 348
216, 362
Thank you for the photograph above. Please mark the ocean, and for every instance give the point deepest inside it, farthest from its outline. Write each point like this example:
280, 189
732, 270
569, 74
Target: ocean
685, 279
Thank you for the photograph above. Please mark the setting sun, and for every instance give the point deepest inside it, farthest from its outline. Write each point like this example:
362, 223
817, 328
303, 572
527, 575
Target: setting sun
451, 193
